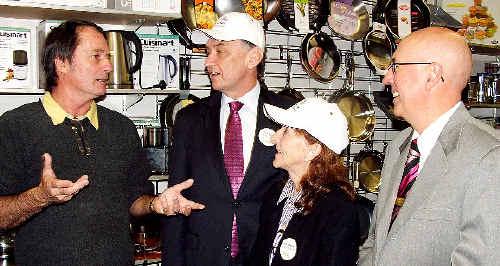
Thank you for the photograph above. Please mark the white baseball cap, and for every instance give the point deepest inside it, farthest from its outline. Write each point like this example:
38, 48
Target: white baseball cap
237, 26
321, 119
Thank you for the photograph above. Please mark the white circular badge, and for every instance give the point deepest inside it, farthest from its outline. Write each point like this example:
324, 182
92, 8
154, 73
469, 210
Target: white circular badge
288, 249
265, 136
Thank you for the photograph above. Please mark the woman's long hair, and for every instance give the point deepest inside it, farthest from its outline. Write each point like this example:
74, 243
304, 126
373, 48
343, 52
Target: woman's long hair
325, 171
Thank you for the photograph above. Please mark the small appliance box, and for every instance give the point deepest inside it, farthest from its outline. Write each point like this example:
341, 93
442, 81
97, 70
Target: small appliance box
79, 3
18, 57
160, 61
157, 6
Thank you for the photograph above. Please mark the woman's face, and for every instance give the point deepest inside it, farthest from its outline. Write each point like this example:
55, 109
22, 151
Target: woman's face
292, 151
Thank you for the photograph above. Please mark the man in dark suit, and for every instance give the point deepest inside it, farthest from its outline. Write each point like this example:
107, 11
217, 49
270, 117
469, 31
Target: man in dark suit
224, 232
438, 206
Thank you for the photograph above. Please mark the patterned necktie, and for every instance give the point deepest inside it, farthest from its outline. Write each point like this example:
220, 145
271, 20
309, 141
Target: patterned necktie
409, 175
233, 161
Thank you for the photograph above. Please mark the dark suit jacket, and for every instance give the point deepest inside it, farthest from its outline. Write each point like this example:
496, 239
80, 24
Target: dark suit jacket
204, 238
329, 235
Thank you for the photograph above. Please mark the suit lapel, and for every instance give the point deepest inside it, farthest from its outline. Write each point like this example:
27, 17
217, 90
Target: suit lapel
436, 166
392, 187
260, 152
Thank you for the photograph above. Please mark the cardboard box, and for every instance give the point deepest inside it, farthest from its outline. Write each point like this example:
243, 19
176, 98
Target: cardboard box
18, 57
160, 61
480, 19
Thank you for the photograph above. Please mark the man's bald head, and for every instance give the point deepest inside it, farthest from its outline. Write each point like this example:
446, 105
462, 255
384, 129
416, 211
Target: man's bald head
446, 47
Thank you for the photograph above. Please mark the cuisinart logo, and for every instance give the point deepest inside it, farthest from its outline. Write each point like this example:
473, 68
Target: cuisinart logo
148, 42
12, 34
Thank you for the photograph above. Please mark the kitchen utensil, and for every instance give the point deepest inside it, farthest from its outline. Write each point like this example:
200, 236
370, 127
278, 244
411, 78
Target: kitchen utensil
320, 57
403, 17
355, 105
290, 13
168, 68
121, 77
378, 47
349, 19
368, 168
288, 91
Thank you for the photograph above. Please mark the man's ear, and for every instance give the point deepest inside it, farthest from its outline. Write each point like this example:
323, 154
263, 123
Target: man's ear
62, 66
435, 75
254, 57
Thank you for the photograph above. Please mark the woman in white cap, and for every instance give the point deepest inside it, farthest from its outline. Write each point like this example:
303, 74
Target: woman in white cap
309, 219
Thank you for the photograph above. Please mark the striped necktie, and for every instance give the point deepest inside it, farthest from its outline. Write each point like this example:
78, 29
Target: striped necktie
409, 176
233, 161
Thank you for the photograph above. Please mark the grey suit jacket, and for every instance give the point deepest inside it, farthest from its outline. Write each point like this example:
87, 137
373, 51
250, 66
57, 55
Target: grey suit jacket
452, 213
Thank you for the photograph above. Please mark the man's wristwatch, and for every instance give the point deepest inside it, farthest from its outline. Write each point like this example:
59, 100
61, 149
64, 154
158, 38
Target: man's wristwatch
151, 209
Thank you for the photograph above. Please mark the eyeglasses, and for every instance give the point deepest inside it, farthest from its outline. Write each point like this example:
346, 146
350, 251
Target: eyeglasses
394, 66
79, 133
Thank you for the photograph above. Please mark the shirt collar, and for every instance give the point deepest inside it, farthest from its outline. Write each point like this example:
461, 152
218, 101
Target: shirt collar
250, 99
429, 136
57, 114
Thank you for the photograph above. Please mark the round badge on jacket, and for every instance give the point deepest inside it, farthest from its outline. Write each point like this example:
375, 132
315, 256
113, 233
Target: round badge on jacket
288, 249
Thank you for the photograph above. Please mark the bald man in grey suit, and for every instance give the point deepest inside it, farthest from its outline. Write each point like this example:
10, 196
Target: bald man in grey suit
451, 213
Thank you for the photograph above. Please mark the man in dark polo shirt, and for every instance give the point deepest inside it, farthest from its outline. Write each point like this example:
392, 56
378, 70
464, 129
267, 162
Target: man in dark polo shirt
72, 172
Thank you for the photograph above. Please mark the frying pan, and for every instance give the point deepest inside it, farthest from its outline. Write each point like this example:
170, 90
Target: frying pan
364, 208
349, 19
368, 167
288, 91
318, 14
378, 46
320, 57
419, 18
383, 99
179, 27
355, 105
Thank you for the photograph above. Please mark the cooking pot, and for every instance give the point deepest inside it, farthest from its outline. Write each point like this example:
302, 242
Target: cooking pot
169, 108
368, 168
320, 57
119, 42
356, 107
349, 19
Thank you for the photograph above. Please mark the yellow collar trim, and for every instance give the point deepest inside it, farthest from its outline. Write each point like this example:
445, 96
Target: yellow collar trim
57, 114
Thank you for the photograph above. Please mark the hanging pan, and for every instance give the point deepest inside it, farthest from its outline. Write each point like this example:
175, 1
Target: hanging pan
349, 19
355, 105
377, 44
320, 57
292, 15
368, 168
288, 91
403, 17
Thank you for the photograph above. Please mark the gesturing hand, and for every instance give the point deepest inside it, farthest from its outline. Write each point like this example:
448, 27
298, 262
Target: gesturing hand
171, 201
54, 190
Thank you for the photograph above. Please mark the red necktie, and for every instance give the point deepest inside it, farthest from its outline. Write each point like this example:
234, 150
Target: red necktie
409, 175
233, 161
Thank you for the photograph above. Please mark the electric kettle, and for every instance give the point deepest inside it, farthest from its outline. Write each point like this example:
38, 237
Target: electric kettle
121, 77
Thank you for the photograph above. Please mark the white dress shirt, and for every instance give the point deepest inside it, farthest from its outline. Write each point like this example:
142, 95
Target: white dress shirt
248, 116
429, 136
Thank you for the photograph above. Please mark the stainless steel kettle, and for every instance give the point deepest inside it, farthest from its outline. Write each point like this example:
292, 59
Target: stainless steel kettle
121, 57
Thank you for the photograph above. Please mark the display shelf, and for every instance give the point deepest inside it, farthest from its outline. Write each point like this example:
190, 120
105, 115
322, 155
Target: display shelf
26, 10
493, 50
483, 105
109, 92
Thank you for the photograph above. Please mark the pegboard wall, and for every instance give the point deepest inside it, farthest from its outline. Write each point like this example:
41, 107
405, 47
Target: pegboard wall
279, 43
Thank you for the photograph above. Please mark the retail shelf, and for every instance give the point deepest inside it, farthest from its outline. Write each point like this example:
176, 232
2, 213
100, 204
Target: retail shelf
483, 105
26, 10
